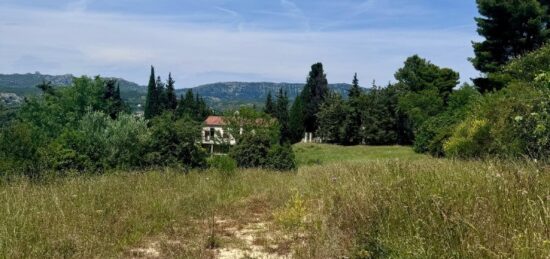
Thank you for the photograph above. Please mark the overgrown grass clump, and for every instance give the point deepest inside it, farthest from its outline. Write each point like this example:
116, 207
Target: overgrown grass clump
412, 208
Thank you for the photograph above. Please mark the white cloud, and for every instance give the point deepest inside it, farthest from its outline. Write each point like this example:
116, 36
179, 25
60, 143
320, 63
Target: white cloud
125, 46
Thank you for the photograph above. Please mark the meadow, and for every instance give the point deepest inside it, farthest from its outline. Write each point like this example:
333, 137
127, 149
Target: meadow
358, 202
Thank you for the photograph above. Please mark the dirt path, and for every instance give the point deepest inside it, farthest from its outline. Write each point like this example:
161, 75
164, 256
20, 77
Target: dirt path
231, 240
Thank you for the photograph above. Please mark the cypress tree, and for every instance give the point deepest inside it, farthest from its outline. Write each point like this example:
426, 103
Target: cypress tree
172, 100
313, 95
152, 97
269, 107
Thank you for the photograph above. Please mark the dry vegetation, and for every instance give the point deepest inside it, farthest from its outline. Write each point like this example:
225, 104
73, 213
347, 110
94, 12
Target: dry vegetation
412, 207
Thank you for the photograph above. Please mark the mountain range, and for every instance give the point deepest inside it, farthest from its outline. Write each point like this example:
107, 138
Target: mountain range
220, 96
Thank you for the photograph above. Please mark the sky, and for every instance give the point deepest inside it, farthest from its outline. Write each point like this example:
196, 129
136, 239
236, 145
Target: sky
207, 41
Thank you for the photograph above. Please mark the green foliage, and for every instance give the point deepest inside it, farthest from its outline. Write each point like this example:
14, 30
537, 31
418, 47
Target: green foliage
222, 164
171, 98
175, 142
379, 116
248, 121
511, 28
433, 133
269, 107
418, 75
312, 96
152, 99
281, 158
351, 132
192, 106
19, 150
296, 121
332, 117
510, 123
251, 150
282, 115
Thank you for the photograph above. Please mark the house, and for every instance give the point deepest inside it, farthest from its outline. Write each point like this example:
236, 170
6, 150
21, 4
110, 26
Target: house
215, 137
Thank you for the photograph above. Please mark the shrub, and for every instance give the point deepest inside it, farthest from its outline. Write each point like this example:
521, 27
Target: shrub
470, 139
222, 164
252, 150
510, 123
281, 158
432, 134
19, 145
175, 142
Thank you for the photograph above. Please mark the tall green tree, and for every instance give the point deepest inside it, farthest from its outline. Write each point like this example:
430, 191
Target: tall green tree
332, 116
296, 121
355, 90
282, 115
114, 104
162, 97
351, 134
313, 95
269, 107
151, 101
511, 28
424, 91
172, 100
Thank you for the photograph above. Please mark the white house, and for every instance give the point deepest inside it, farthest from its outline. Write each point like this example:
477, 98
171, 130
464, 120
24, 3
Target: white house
215, 137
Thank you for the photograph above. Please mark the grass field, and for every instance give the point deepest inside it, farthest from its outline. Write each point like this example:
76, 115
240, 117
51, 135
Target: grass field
312, 154
382, 202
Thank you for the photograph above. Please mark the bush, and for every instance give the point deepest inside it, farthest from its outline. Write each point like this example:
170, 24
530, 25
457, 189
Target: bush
510, 123
251, 151
470, 139
175, 142
222, 164
19, 145
435, 131
281, 158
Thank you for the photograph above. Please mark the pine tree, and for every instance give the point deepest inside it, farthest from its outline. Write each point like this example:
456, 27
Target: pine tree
172, 100
296, 122
510, 28
187, 106
112, 100
151, 101
282, 115
351, 134
269, 107
355, 90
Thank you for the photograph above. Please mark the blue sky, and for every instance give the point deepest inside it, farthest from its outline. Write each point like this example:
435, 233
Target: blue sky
205, 41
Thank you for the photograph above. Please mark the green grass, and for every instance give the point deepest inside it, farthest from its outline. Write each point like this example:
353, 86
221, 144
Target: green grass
411, 207
311, 154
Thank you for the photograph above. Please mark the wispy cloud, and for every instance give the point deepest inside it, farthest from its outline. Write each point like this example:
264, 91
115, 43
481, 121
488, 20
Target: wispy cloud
292, 10
88, 42
78, 5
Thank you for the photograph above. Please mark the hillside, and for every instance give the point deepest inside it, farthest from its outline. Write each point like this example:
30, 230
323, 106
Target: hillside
220, 96
25, 85
233, 94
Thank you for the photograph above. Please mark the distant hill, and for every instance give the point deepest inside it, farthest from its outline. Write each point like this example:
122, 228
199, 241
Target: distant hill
220, 96
25, 85
234, 94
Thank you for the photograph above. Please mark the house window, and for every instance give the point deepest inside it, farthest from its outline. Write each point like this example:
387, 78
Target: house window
206, 135
212, 132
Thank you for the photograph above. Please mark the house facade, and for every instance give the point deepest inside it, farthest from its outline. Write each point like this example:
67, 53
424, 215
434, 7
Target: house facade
215, 137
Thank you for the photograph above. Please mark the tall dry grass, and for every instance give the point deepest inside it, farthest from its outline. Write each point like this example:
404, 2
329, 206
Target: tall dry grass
422, 208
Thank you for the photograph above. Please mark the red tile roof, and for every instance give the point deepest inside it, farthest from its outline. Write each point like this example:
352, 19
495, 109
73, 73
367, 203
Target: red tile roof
214, 121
